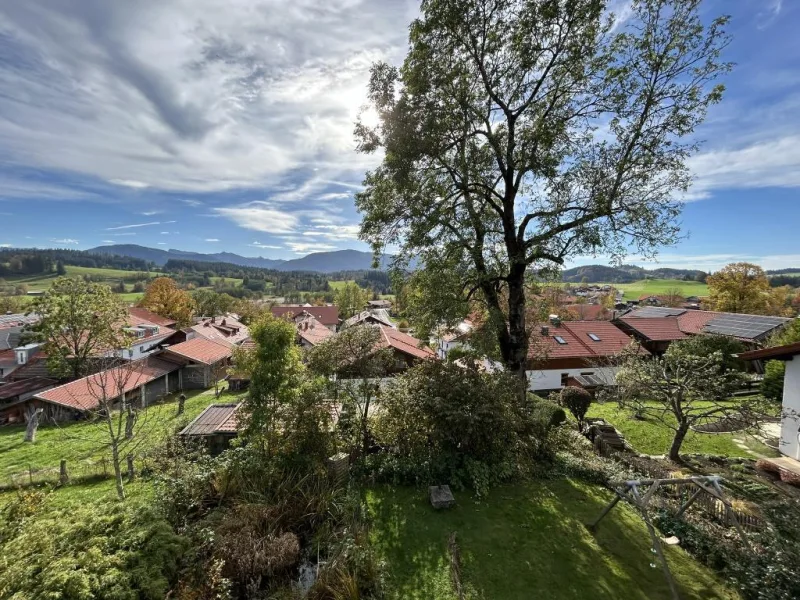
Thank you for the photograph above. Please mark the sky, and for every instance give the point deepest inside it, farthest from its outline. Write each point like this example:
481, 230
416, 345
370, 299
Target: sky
227, 125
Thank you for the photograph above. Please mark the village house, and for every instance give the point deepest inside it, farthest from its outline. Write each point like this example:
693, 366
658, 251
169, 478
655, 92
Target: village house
327, 315
407, 350
143, 381
369, 317
203, 362
450, 338
311, 332
226, 328
581, 353
379, 304
789, 445
656, 327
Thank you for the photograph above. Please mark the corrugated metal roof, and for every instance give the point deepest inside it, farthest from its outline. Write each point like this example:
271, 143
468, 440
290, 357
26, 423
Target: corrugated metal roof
217, 418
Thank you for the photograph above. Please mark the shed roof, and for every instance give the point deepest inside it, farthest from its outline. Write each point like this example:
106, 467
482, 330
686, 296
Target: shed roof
84, 394
201, 350
217, 418
10, 390
402, 342
777, 353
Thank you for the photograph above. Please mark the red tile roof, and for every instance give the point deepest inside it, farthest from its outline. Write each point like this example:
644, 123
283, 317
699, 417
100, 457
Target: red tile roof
312, 331
201, 350
656, 329
578, 343
83, 394
327, 315
786, 352
143, 314
693, 321
226, 329
402, 342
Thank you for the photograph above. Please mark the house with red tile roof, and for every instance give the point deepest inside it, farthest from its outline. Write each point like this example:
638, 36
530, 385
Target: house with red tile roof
226, 328
654, 333
143, 382
564, 353
204, 362
150, 317
311, 332
327, 315
407, 349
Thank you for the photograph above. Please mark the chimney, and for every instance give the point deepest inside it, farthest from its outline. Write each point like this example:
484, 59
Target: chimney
213, 319
555, 321
545, 330
223, 322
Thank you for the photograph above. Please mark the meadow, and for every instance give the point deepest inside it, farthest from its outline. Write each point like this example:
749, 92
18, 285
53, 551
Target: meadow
633, 291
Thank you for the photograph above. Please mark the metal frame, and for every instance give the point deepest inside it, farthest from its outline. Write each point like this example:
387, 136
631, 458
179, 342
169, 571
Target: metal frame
630, 492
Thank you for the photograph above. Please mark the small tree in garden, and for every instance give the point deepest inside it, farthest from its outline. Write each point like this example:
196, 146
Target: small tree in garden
680, 390
353, 360
577, 401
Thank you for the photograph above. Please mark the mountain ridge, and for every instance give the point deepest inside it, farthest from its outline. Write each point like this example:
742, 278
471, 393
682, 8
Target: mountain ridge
322, 262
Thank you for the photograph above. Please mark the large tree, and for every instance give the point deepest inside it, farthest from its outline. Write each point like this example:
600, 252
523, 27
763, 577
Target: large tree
350, 299
165, 298
78, 320
519, 133
744, 288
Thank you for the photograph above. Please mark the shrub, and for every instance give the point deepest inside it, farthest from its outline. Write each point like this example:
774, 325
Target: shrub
772, 384
102, 550
441, 422
577, 401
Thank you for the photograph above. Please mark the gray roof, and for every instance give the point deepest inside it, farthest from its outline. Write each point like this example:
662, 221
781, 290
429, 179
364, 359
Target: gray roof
217, 418
17, 319
9, 337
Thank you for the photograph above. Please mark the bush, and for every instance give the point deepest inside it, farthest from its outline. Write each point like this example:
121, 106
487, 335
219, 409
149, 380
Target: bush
443, 423
577, 401
102, 550
772, 384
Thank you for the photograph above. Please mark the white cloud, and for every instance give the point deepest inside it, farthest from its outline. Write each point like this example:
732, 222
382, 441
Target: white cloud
201, 95
211, 240
120, 234
129, 183
265, 246
335, 232
305, 248
260, 216
65, 241
165, 233
6, 246
134, 225
150, 213
108, 242
702, 262
161, 243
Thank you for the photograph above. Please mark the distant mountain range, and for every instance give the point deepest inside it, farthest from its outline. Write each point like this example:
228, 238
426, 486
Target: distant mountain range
626, 274
322, 262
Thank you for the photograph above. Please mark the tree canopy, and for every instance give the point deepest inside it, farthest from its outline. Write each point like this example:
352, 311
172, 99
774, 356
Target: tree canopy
519, 133
165, 298
350, 299
79, 320
745, 288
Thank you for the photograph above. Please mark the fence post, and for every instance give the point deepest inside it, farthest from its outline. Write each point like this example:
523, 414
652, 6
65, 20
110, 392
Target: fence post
63, 476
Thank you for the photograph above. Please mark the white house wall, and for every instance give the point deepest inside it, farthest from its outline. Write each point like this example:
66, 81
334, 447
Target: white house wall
550, 379
790, 424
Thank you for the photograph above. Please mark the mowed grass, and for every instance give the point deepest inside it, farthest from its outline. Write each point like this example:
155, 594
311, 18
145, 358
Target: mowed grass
637, 289
337, 285
526, 541
650, 437
84, 443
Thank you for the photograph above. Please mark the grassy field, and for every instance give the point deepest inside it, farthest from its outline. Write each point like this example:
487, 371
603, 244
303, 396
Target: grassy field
653, 438
337, 285
85, 442
526, 541
633, 291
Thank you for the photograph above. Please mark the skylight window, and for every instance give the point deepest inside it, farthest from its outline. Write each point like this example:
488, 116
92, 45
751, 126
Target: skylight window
594, 337
560, 340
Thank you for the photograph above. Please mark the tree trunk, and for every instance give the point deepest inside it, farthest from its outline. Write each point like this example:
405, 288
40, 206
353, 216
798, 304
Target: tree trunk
181, 403
131, 471
63, 476
677, 441
33, 424
117, 470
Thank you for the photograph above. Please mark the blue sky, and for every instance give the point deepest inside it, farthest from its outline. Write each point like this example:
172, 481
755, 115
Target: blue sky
213, 125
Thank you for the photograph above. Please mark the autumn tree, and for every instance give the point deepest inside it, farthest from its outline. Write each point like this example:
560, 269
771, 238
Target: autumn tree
209, 303
79, 320
744, 288
673, 297
354, 362
165, 298
520, 133
350, 299
680, 390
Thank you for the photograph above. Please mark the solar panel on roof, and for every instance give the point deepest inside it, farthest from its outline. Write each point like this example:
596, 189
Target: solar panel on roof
751, 327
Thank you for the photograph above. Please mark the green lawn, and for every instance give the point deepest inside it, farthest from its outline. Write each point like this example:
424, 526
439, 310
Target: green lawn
87, 442
650, 437
526, 541
633, 291
336, 285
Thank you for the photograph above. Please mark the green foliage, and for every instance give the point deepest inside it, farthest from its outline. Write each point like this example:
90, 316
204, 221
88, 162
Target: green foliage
209, 303
577, 401
772, 384
443, 423
79, 319
679, 389
350, 299
706, 345
101, 550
